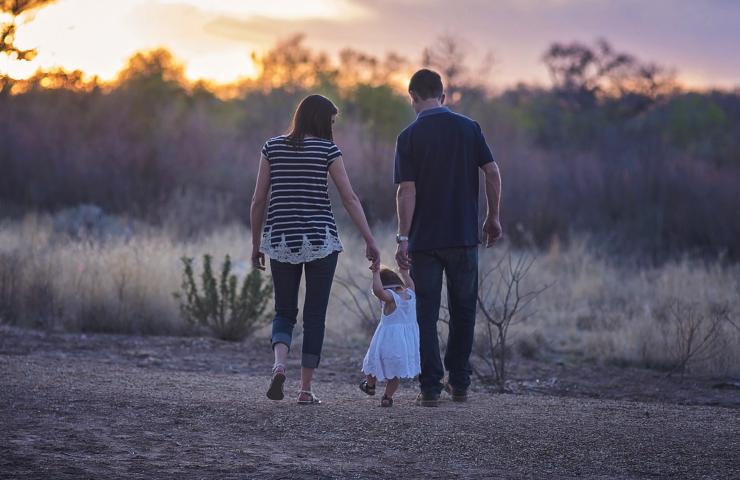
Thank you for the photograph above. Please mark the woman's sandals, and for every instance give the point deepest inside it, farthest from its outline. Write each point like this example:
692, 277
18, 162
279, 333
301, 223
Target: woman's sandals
313, 399
386, 401
275, 392
367, 388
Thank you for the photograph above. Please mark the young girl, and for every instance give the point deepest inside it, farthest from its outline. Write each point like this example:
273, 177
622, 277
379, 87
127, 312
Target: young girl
394, 350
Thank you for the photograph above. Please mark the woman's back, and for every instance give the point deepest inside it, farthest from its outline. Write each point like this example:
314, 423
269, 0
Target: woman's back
300, 225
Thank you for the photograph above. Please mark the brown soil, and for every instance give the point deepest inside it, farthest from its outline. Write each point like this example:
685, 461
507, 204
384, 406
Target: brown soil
107, 406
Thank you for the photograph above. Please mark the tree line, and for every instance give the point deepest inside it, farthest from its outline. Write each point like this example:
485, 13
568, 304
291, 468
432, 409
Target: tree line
613, 148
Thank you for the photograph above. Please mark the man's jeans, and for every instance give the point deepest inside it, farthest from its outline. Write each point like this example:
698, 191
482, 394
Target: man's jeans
460, 266
286, 278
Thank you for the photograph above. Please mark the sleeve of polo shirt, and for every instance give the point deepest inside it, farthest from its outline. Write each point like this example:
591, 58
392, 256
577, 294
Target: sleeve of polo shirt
484, 151
265, 150
405, 168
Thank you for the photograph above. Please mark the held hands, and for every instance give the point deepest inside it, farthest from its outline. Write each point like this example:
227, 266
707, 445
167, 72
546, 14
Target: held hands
491, 231
372, 253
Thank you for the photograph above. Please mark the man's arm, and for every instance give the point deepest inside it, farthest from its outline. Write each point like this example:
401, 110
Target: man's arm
405, 205
406, 277
492, 226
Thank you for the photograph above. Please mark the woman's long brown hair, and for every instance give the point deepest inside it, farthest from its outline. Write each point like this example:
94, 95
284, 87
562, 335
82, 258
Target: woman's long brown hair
312, 117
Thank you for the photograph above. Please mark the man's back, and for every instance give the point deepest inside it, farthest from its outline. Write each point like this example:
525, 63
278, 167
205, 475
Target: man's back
441, 152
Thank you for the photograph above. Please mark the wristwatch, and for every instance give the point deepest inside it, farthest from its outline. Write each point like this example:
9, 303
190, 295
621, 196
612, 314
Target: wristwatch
401, 238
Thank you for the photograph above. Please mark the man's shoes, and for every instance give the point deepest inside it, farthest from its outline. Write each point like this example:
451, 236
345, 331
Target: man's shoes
458, 395
425, 399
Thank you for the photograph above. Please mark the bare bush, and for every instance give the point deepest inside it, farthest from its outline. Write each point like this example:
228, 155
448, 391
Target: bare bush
693, 335
360, 302
502, 302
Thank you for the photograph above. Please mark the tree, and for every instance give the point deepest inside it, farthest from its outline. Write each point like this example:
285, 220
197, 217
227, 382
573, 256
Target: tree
583, 74
357, 68
7, 30
449, 56
158, 65
293, 66
14, 8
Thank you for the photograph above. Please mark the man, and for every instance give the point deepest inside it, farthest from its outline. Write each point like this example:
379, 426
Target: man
438, 158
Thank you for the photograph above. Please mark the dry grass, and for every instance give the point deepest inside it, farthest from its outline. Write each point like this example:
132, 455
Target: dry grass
597, 308
113, 285
616, 311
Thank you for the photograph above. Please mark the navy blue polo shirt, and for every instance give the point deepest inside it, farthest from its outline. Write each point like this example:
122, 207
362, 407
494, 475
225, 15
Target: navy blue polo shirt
442, 152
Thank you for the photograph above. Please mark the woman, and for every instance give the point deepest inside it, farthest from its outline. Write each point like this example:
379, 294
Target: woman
300, 233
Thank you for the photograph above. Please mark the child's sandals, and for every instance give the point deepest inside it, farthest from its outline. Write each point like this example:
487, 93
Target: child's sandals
312, 399
275, 391
367, 388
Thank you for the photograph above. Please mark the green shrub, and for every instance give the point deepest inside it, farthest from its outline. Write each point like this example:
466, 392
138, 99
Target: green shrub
231, 315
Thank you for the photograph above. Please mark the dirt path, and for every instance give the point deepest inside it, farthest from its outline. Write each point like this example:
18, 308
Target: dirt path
128, 407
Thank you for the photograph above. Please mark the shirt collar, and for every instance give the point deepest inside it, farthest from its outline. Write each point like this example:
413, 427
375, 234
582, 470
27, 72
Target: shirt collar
432, 111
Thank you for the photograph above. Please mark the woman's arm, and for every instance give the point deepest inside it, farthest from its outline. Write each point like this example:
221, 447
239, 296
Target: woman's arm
406, 277
257, 212
378, 289
352, 204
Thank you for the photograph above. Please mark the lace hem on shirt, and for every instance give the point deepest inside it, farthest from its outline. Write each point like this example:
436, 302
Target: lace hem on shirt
305, 253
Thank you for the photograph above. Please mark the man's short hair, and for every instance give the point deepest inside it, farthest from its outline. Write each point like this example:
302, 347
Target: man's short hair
426, 84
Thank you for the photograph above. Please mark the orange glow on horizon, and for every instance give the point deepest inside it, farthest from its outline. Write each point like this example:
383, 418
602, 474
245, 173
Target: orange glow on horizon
98, 36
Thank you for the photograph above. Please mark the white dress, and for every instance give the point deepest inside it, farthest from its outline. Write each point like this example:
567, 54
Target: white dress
394, 349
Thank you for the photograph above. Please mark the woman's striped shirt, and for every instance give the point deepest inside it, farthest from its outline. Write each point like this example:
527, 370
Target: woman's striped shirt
300, 224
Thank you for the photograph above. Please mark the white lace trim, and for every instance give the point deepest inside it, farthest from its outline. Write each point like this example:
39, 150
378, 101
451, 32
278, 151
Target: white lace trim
305, 253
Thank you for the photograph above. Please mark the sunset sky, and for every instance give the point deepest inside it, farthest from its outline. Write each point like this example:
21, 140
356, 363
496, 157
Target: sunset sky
215, 38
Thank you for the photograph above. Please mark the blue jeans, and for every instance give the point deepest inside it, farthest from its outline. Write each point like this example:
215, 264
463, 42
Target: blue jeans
286, 278
460, 266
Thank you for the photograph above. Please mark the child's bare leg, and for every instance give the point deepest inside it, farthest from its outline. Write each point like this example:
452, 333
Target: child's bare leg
391, 386
371, 380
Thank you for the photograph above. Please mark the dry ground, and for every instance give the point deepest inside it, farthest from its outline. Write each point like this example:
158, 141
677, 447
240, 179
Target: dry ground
106, 406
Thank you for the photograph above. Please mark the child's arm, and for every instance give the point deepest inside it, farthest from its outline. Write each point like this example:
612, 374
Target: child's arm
406, 277
378, 289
